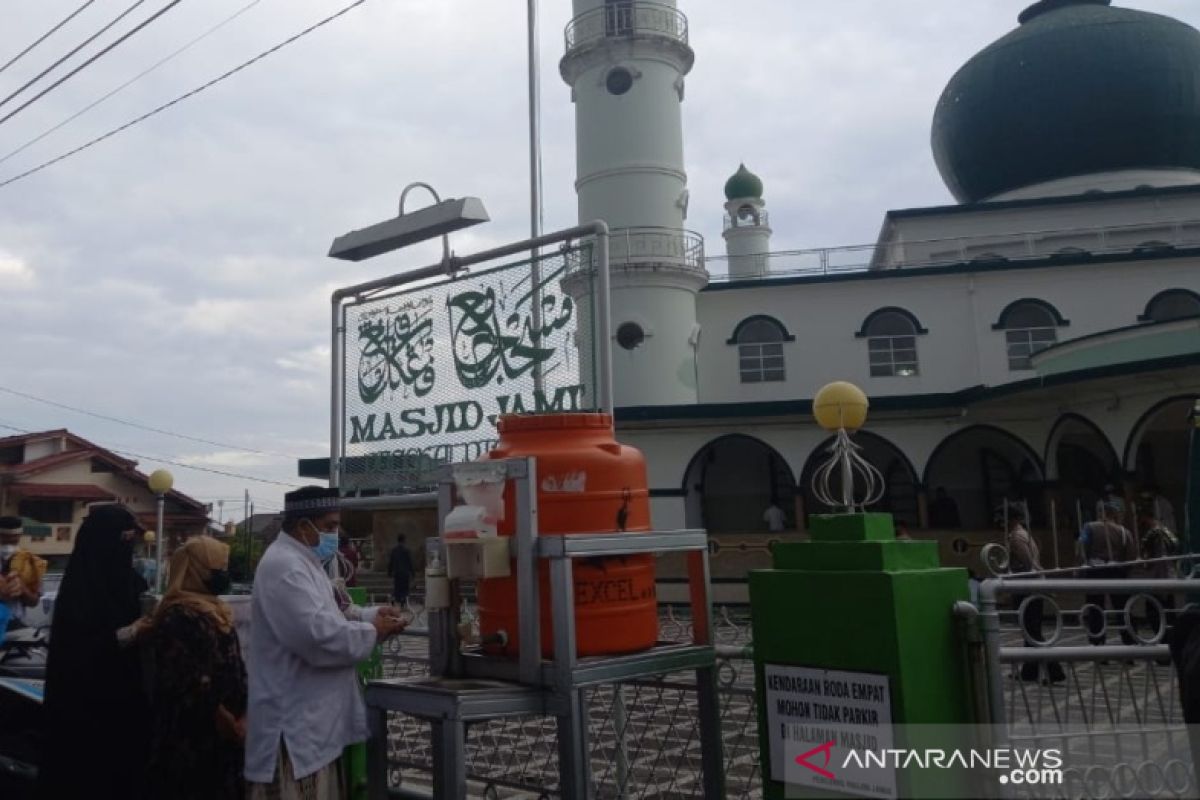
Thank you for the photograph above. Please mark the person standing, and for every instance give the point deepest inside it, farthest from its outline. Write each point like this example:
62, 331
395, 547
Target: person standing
351, 558
1162, 508
198, 692
774, 517
1111, 498
1107, 547
95, 715
1025, 557
1158, 542
400, 569
305, 706
20, 574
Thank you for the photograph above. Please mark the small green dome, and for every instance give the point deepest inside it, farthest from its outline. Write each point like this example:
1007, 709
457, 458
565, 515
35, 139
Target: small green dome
744, 183
1079, 88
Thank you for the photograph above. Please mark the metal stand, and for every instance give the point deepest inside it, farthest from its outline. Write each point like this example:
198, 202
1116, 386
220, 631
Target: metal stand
474, 686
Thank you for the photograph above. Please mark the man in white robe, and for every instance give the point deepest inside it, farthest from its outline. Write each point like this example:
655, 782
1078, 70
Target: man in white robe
305, 705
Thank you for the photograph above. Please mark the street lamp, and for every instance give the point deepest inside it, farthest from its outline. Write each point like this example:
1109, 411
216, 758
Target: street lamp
440, 219
160, 483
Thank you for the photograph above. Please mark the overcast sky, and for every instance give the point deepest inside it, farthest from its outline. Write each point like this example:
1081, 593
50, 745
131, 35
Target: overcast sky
175, 274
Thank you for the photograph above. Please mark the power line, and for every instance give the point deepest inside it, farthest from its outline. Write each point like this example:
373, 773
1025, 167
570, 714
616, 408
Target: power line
161, 460
134, 79
139, 426
46, 35
183, 97
89, 62
79, 47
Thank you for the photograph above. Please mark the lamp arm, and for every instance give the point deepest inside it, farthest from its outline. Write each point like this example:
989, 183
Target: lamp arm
436, 199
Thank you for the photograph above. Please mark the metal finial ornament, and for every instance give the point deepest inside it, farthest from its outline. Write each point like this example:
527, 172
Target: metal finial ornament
841, 407
861, 483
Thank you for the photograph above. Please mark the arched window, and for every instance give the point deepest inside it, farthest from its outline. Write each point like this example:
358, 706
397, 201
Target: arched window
891, 335
1171, 304
1029, 326
759, 341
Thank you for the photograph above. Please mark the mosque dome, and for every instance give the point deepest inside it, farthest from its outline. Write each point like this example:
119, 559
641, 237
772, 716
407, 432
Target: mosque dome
743, 184
1079, 88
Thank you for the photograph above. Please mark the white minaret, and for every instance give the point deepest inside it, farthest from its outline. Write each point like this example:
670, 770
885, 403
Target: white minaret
747, 229
625, 62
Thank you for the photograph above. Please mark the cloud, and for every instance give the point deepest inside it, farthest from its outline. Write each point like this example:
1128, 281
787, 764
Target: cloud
15, 273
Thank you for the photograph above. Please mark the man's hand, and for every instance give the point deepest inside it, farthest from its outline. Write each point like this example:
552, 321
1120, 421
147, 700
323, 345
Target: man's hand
387, 624
229, 726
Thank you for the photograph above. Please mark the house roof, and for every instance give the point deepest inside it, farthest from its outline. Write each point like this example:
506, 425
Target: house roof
80, 448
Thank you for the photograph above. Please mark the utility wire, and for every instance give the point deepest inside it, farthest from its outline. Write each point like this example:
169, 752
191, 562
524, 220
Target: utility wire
120, 421
183, 97
161, 460
89, 62
134, 79
46, 35
84, 44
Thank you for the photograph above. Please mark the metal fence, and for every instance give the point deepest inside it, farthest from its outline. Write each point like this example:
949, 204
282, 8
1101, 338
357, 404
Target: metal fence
1081, 665
643, 736
1111, 705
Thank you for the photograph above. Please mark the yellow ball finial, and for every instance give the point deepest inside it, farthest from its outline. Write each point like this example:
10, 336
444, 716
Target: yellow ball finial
840, 405
161, 481
148, 537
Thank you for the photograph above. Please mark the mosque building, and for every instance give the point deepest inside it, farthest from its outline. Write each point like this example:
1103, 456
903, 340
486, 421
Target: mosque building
1036, 342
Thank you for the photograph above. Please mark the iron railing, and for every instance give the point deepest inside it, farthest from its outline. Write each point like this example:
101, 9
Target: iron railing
626, 19
643, 735
1095, 682
648, 247
1064, 244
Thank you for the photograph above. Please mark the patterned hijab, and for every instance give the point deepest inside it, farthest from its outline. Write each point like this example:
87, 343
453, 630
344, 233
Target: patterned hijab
191, 566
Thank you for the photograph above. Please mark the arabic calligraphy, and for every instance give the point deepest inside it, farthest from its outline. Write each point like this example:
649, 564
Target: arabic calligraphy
495, 337
396, 352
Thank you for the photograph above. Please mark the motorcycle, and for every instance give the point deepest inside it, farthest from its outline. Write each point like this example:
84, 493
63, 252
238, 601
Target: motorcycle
22, 678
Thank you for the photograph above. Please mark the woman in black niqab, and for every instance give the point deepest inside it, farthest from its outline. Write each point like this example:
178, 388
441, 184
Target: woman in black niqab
96, 716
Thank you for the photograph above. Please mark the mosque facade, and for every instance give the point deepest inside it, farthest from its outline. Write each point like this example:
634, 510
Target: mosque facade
1037, 341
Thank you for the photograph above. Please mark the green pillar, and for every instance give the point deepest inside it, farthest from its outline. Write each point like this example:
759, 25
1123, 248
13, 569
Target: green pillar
855, 643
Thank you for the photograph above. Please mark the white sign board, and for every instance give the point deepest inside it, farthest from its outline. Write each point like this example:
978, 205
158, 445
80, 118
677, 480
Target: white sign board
428, 368
816, 717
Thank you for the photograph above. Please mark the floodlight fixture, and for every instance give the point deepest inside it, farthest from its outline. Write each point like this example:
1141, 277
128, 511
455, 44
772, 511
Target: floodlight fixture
440, 219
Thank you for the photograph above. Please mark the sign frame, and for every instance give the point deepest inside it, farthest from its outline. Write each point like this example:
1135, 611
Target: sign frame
448, 268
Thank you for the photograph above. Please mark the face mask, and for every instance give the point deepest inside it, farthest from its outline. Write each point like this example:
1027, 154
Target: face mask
218, 581
326, 546
8, 550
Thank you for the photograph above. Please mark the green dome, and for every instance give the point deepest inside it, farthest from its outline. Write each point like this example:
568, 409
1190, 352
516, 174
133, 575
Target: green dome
744, 183
1079, 88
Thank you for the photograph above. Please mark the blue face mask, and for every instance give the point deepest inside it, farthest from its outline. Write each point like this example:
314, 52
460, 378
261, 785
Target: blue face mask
326, 546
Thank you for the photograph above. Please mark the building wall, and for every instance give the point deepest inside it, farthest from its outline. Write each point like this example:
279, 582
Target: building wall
961, 350
1021, 428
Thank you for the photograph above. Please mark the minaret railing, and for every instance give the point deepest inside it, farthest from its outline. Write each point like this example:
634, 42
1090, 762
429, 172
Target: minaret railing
626, 19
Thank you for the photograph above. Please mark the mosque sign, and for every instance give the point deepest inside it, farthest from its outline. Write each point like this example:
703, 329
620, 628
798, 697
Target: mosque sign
427, 370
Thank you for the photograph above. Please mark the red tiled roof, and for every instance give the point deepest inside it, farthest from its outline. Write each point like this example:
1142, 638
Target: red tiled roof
61, 491
86, 449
